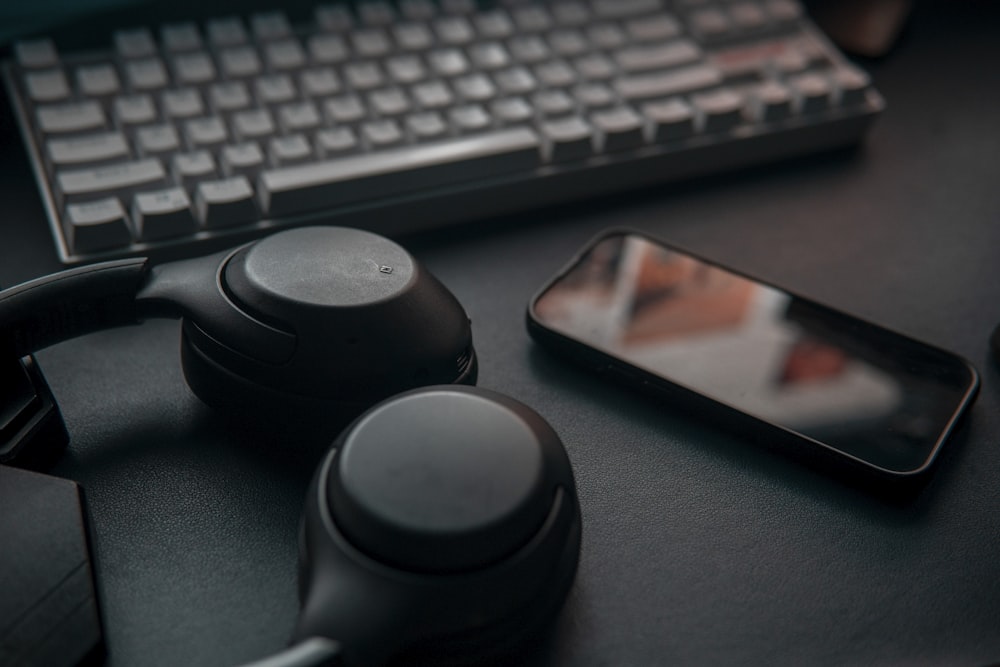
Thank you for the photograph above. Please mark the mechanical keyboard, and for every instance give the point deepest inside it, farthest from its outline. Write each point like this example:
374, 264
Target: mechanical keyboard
404, 116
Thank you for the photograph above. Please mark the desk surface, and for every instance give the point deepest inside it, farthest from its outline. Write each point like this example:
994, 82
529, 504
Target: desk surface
698, 547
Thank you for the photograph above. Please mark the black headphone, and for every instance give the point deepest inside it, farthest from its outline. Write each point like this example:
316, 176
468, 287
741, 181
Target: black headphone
299, 322
443, 526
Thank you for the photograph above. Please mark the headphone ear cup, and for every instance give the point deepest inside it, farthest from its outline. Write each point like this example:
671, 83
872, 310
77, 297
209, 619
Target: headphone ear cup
442, 528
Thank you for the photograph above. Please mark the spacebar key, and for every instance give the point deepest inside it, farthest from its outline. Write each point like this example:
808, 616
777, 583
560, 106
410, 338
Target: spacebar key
377, 175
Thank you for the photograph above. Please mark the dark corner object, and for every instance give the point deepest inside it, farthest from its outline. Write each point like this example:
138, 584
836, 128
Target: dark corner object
48, 606
32, 433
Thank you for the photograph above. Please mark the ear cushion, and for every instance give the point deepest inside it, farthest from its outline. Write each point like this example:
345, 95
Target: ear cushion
222, 388
442, 528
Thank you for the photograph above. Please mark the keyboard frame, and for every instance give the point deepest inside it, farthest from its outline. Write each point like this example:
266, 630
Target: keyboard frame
466, 202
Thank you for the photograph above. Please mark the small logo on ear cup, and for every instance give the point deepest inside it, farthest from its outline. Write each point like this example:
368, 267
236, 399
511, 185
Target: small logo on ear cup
385, 269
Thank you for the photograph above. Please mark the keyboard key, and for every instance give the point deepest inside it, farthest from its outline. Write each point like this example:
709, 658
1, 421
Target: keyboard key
243, 159
253, 124
594, 95
344, 109
852, 84
567, 139
469, 118
554, 102
475, 88
134, 109
298, 116
194, 68
363, 76
621, 128
406, 69
357, 178
658, 56
70, 117
47, 86
448, 62
163, 214
381, 133
240, 61
671, 82
179, 37
516, 81
433, 95
319, 82
274, 89
426, 125
226, 32
284, 54
146, 74
36, 53
206, 132
512, 110
291, 149
157, 139
494, 24
417, 10
118, 179
336, 140
98, 80
328, 49
654, 28
190, 168
720, 109
622, 8
672, 119
225, 203
813, 92
182, 103
87, 149
333, 18
454, 30
413, 36
97, 225
135, 43
370, 43
229, 96
556, 74
390, 102
270, 25
771, 101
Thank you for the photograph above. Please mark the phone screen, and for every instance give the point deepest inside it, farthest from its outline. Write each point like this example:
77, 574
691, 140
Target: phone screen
863, 390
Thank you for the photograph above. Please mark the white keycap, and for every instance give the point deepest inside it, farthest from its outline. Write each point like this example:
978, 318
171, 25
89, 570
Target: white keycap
270, 25
87, 149
117, 179
134, 109
240, 61
70, 117
193, 68
98, 80
225, 202
146, 74
359, 177
97, 225
180, 37
135, 43
47, 86
36, 53
244, 159
182, 103
163, 214
157, 139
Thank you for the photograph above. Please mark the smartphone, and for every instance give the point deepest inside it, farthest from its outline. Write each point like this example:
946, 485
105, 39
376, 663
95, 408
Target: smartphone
823, 385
